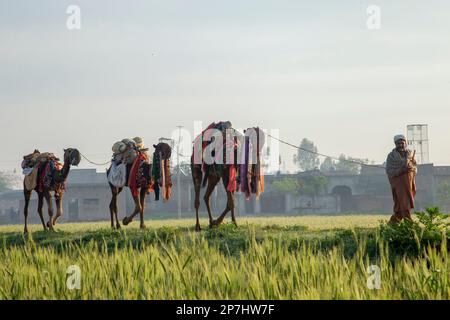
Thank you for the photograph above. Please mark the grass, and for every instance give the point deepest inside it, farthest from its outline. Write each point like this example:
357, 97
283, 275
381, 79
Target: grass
264, 258
313, 223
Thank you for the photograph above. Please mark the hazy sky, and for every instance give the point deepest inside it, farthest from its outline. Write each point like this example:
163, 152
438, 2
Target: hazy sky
140, 68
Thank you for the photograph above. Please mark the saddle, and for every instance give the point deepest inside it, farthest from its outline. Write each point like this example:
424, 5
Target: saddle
31, 160
127, 150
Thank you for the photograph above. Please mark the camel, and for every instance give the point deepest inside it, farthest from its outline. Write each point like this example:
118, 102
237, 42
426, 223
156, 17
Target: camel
139, 199
71, 157
210, 179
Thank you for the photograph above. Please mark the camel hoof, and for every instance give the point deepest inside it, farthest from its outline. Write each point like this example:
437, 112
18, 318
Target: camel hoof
118, 226
198, 228
25, 231
125, 221
215, 223
142, 227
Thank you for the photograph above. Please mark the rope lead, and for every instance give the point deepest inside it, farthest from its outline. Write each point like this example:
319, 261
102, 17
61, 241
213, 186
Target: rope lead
94, 163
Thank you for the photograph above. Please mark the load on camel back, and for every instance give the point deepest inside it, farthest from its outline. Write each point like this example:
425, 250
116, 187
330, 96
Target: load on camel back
132, 167
44, 174
221, 152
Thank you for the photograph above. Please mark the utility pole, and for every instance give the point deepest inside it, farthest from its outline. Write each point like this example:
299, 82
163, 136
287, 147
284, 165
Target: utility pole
179, 172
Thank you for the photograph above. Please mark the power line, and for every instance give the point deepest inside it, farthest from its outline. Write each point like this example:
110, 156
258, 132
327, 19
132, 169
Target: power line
327, 156
316, 153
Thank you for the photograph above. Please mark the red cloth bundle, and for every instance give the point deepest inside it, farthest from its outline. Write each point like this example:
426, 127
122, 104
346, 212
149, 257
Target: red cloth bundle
134, 182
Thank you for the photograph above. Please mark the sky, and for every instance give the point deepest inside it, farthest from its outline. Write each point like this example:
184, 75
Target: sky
140, 68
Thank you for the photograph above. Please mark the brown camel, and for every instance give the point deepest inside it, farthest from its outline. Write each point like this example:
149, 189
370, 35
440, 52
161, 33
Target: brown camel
71, 157
162, 150
139, 200
211, 178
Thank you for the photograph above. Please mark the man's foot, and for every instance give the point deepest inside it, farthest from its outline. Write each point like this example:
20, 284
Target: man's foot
394, 220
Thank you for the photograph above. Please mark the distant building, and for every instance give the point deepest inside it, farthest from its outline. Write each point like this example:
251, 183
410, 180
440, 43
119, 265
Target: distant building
88, 195
417, 136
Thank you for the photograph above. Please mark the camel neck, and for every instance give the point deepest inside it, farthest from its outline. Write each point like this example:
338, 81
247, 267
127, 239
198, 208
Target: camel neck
65, 170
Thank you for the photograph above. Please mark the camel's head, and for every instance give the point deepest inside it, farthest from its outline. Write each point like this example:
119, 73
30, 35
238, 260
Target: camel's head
164, 148
72, 156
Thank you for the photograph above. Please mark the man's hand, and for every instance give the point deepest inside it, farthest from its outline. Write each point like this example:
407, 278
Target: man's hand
412, 165
413, 161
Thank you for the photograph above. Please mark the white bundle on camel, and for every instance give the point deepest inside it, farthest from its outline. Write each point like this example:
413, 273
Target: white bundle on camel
125, 153
118, 175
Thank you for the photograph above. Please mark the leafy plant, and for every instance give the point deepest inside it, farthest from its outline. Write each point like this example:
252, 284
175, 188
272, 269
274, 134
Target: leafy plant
433, 220
408, 237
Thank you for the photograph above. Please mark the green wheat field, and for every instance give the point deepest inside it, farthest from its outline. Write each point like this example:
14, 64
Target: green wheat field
313, 257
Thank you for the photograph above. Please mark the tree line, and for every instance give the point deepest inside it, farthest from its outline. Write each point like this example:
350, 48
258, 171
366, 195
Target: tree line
308, 161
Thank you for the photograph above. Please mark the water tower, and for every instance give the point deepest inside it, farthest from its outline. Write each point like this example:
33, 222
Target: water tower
418, 140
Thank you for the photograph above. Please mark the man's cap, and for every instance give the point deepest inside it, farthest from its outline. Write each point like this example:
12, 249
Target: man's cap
399, 137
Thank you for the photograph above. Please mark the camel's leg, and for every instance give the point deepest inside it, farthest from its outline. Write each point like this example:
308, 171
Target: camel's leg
233, 217
116, 209
229, 207
40, 207
142, 202
137, 209
27, 195
113, 204
212, 183
197, 187
48, 199
59, 208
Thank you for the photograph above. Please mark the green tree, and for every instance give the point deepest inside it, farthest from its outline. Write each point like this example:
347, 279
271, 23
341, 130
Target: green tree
350, 164
313, 184
307, 160
286, 185
304, 184
328, 165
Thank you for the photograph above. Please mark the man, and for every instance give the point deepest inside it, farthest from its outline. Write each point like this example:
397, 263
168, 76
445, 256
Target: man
401, 168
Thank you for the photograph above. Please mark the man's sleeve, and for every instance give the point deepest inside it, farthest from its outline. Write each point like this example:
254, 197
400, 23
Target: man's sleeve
393, 168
